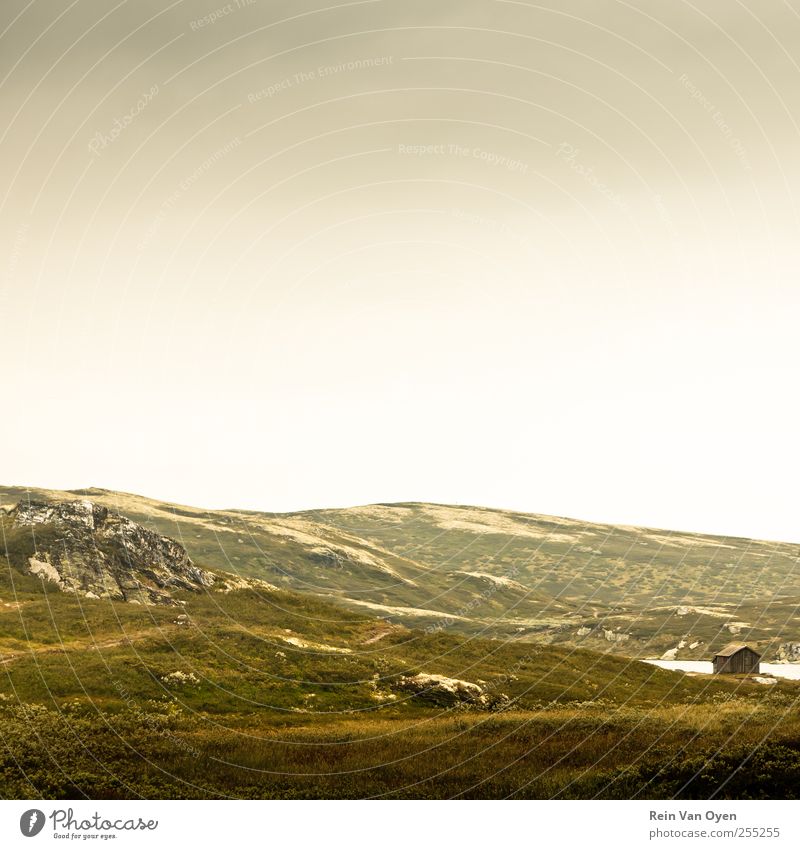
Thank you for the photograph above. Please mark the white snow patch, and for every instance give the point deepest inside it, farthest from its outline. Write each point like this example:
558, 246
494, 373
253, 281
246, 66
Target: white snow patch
773, 670
487, 522
685, 610
497, 580
406, 611
307, 534
395, 515
682, 541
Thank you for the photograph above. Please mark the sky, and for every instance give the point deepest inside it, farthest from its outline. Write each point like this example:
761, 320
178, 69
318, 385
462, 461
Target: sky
279, 256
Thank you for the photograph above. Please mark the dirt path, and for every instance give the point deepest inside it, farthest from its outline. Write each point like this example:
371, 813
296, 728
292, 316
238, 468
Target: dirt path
380, 634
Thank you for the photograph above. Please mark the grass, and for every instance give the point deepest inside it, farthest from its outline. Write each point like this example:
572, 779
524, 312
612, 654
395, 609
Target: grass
293, 692
88, 708
575, 581
584, 751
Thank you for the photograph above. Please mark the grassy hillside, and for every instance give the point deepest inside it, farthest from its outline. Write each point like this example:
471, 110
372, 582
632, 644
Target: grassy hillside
276, 649
274, 693
633, 591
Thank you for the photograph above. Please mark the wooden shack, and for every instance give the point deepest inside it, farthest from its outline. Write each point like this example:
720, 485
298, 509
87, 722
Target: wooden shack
737, 658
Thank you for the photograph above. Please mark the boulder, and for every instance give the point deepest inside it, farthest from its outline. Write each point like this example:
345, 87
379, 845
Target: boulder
448, 692
788, 653
84, 548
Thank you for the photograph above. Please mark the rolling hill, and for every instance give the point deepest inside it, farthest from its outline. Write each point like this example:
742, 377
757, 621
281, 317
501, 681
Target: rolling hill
411, 650
633, 591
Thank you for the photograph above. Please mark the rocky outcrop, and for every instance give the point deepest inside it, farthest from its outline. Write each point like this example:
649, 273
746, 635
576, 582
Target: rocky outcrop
84, 548
615, 636
448, 692
788, 653
601, 632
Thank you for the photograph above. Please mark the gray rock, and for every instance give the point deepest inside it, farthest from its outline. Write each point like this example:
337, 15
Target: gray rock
788, 653
85, 548
449, 692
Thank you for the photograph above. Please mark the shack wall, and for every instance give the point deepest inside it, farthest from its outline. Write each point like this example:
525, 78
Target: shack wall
744, 662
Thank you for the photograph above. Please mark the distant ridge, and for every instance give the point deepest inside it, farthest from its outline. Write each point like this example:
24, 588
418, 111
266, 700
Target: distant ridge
638, 591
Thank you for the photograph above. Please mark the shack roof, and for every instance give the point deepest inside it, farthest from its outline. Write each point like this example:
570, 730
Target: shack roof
733, 648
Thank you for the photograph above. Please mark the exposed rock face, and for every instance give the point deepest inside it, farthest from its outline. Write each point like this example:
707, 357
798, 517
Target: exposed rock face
600, 631
448, 692
615, 636
84, 548
788, 653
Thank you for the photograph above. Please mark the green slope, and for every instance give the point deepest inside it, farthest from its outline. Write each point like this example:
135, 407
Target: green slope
633, 591
297, 691
276, 694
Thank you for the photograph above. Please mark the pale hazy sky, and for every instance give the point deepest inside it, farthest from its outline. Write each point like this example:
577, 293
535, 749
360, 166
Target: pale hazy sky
286, 255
